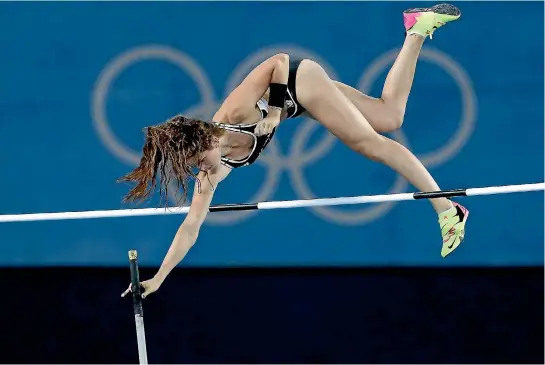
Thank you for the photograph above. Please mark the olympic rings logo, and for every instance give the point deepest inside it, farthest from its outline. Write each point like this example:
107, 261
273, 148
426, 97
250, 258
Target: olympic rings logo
298, 157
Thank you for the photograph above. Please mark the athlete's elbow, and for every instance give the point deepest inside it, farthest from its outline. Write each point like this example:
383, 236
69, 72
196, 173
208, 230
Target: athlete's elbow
280, 60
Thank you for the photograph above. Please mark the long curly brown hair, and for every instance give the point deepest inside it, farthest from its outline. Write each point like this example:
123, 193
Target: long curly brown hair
172, 150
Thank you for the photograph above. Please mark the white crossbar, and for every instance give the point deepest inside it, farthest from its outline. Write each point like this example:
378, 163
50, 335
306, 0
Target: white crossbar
274, 204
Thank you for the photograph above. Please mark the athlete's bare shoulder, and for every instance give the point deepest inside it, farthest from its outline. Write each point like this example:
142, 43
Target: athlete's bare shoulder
209, 180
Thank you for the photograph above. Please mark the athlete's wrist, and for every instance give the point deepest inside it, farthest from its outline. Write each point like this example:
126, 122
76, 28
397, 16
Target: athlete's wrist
159, 277
274, 112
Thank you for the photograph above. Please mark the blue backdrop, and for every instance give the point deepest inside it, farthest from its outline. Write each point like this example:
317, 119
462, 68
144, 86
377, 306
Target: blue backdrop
80, 81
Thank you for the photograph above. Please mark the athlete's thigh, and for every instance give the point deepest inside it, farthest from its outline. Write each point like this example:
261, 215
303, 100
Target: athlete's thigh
330, 107
374, 110
354, 94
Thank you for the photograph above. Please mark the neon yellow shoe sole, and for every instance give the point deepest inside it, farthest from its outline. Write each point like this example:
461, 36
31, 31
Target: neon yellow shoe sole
453, 224
424, 21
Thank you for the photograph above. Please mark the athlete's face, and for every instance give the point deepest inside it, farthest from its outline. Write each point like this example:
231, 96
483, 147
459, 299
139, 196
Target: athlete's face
210, 159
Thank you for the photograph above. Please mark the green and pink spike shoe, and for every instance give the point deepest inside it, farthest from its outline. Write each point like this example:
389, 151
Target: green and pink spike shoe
424, 21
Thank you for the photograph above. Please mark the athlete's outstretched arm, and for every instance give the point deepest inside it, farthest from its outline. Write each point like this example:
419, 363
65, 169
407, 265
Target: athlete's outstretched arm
189, 230
187, 234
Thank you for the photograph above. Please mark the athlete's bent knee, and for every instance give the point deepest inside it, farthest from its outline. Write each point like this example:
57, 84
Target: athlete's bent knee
392, 120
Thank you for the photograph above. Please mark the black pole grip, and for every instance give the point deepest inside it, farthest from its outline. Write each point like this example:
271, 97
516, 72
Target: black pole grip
135, 283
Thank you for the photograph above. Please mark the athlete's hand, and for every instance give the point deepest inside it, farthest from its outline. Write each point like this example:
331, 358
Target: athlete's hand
266, 125
149, 286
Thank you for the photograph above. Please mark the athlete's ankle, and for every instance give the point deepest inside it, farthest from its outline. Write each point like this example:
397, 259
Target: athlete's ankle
414, 39
441, 205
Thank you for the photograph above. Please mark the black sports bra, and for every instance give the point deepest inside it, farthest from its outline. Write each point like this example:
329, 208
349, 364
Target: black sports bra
260, 142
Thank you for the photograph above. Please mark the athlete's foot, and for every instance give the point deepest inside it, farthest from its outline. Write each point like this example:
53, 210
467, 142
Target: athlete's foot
424, 21
452, 224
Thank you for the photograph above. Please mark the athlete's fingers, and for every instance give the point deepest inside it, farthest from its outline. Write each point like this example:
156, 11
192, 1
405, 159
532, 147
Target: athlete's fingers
259, 129
267, 128
149, 287
126, 291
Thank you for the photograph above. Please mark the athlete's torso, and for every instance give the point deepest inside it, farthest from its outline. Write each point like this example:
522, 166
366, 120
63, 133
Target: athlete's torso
247, 143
